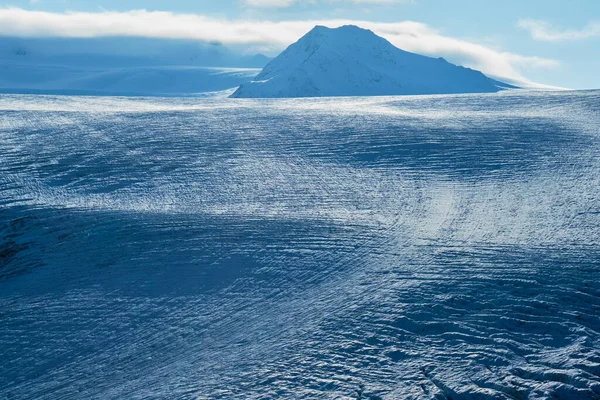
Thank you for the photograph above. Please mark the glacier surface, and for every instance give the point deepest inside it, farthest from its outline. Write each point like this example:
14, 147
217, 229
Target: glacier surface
352, 248
150, 80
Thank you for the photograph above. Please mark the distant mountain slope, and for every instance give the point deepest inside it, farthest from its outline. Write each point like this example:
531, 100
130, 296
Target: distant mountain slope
350, 61
122, 66
112, 52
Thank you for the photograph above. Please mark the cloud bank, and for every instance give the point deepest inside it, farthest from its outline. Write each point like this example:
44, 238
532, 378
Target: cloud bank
271, 3
288, 3
408, 35
545, 32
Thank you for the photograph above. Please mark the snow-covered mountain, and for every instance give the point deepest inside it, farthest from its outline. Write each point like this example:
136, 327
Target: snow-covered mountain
350, 61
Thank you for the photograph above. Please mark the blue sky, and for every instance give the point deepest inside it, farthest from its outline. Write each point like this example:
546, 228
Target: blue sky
553, 42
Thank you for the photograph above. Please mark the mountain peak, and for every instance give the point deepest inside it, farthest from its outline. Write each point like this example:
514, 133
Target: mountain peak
342, 28
352, 61
342, 33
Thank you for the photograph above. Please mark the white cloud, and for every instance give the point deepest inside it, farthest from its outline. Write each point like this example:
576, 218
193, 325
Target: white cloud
408, 35
270, 3
544, 31
381, 1
288, 3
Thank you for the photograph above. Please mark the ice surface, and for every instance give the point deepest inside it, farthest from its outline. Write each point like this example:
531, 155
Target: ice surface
350, 61
401, 247
124, 81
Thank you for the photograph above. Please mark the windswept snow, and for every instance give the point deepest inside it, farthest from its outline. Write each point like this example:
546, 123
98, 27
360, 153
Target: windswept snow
420, 247
350, 61
123, 81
